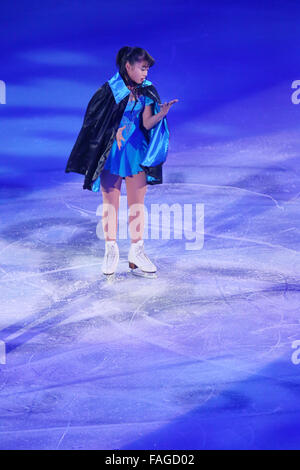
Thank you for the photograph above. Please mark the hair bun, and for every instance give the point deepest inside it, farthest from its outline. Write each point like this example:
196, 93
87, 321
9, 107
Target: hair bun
123, 53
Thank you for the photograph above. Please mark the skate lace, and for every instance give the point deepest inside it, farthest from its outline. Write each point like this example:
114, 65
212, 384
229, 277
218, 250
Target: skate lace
110, 252
141, 254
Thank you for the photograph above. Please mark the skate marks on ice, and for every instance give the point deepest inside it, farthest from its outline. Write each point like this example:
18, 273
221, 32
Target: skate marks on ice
105, 364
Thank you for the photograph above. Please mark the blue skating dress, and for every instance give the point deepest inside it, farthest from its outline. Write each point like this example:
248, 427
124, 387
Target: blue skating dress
125, 162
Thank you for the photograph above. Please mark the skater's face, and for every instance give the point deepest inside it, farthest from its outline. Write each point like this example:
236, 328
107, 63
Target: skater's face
138, 71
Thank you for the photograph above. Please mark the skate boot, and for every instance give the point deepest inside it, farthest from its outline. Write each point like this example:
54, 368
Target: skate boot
139, 262
111, 258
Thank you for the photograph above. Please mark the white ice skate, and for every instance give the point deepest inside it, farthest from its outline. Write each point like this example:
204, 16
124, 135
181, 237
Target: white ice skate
139, 262
111, 258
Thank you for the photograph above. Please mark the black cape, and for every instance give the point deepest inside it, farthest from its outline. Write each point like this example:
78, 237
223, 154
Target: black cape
101, 122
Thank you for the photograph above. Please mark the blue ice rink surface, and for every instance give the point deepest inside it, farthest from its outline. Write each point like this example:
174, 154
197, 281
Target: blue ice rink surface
201, 357
207, 355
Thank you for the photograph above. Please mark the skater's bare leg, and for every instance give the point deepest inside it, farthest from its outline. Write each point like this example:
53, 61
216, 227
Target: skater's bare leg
110, 187
136, 187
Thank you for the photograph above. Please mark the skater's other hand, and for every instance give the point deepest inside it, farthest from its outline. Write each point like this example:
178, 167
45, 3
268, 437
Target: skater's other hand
166, 106
119, 136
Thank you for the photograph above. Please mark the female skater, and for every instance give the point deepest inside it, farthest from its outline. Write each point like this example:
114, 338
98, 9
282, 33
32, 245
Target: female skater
135, 149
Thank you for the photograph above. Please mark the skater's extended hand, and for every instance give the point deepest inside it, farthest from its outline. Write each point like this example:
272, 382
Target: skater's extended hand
119, 136
166, 106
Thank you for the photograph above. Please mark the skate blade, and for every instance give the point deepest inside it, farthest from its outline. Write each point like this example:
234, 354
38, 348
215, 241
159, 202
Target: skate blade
109, 277
140, 273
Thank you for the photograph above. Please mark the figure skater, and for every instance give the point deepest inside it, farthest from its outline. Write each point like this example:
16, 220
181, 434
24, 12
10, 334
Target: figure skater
136, 144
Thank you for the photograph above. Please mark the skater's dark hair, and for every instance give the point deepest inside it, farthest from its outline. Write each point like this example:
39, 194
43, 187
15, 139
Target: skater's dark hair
132, 55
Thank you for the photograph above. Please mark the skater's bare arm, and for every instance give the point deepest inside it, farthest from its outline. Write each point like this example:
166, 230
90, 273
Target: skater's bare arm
150, 120
119, 137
